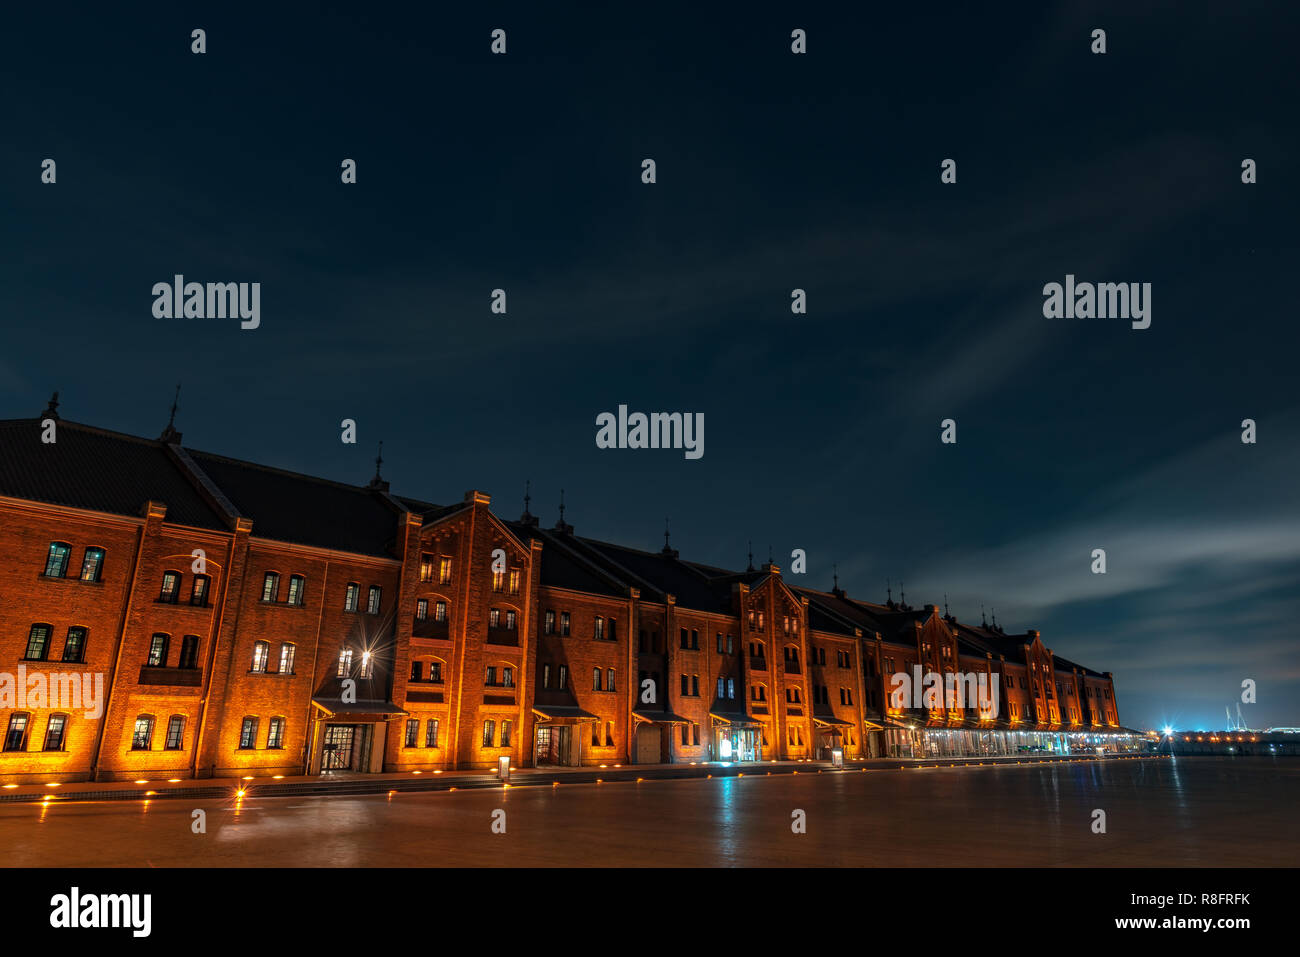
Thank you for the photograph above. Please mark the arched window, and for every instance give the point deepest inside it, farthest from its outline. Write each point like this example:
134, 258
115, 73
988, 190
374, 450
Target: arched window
175, 739
248, 734
16, 733
142, 735
505, 734
372, 600
609, 680
287, 651
431, 733
171, 587
261, 650
297, 588
199, 590
38, 642
189, 652
158, 650
351, 596
367, 665
489, 732
54, 732
595, 679
92, 564
56, 563
74, 647
275, 733
345, 662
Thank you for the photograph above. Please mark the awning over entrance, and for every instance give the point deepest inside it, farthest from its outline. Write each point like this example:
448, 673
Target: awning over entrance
361, 710
660, 717
735, 718
563, 714
831, 722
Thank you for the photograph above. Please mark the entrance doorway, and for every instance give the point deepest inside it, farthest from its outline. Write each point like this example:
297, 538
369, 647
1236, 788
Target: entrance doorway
345, 747
554, 746
650, 744
735, 744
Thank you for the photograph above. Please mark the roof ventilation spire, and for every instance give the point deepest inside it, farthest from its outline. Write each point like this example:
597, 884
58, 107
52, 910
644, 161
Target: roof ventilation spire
563, 526
170, 435
52, 410
668, 548
378, 481
889, 593
528, 518
750, 567
983, 622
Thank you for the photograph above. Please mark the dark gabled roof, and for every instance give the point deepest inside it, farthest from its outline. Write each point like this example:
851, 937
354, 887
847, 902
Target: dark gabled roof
562, 567
980, 641
290, 507
430, 513
1064, 664
96, 469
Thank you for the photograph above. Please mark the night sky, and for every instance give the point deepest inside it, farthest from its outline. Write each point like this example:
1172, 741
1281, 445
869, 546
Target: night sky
775, 171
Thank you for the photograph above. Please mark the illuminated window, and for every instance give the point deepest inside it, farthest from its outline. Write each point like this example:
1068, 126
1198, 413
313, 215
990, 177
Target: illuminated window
345, 662
435, 671
563, 682
505, 734
171, 586
426, 568
92, 566
142, 735
271, 587
609, 680
440, 611
489, 732
56, 563
422, 609
564, 623
596, 675
367, 665
549, 626
412, 732
54, 732
74, 648
499, 580
287, 651
16, 735
514, 581
248, 734
731, 687
372, 600
351, 596
494, 618
511, 620
199, 590
157, 651
297, 587
444, 571
275, 733
38, 642
175, 733
599, 632
431, 733
261, 651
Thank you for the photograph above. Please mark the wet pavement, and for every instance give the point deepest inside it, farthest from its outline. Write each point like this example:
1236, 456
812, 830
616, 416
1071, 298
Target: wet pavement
1184, 812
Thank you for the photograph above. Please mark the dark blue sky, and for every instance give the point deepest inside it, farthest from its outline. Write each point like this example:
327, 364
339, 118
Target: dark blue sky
775, 171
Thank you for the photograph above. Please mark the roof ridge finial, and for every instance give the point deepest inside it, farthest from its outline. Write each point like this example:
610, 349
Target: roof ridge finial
562, 526
889, 593
835, 577
170, 434
52, 410
378, 481
528, 518
994, 613
561, 506
945, 605
902, 595
751, 556
983, 622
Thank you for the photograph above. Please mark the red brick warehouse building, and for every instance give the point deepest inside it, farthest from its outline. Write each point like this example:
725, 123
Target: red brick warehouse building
243, 620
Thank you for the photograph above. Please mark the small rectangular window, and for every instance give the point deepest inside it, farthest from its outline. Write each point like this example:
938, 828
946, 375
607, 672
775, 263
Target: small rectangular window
271, 587
372, 601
